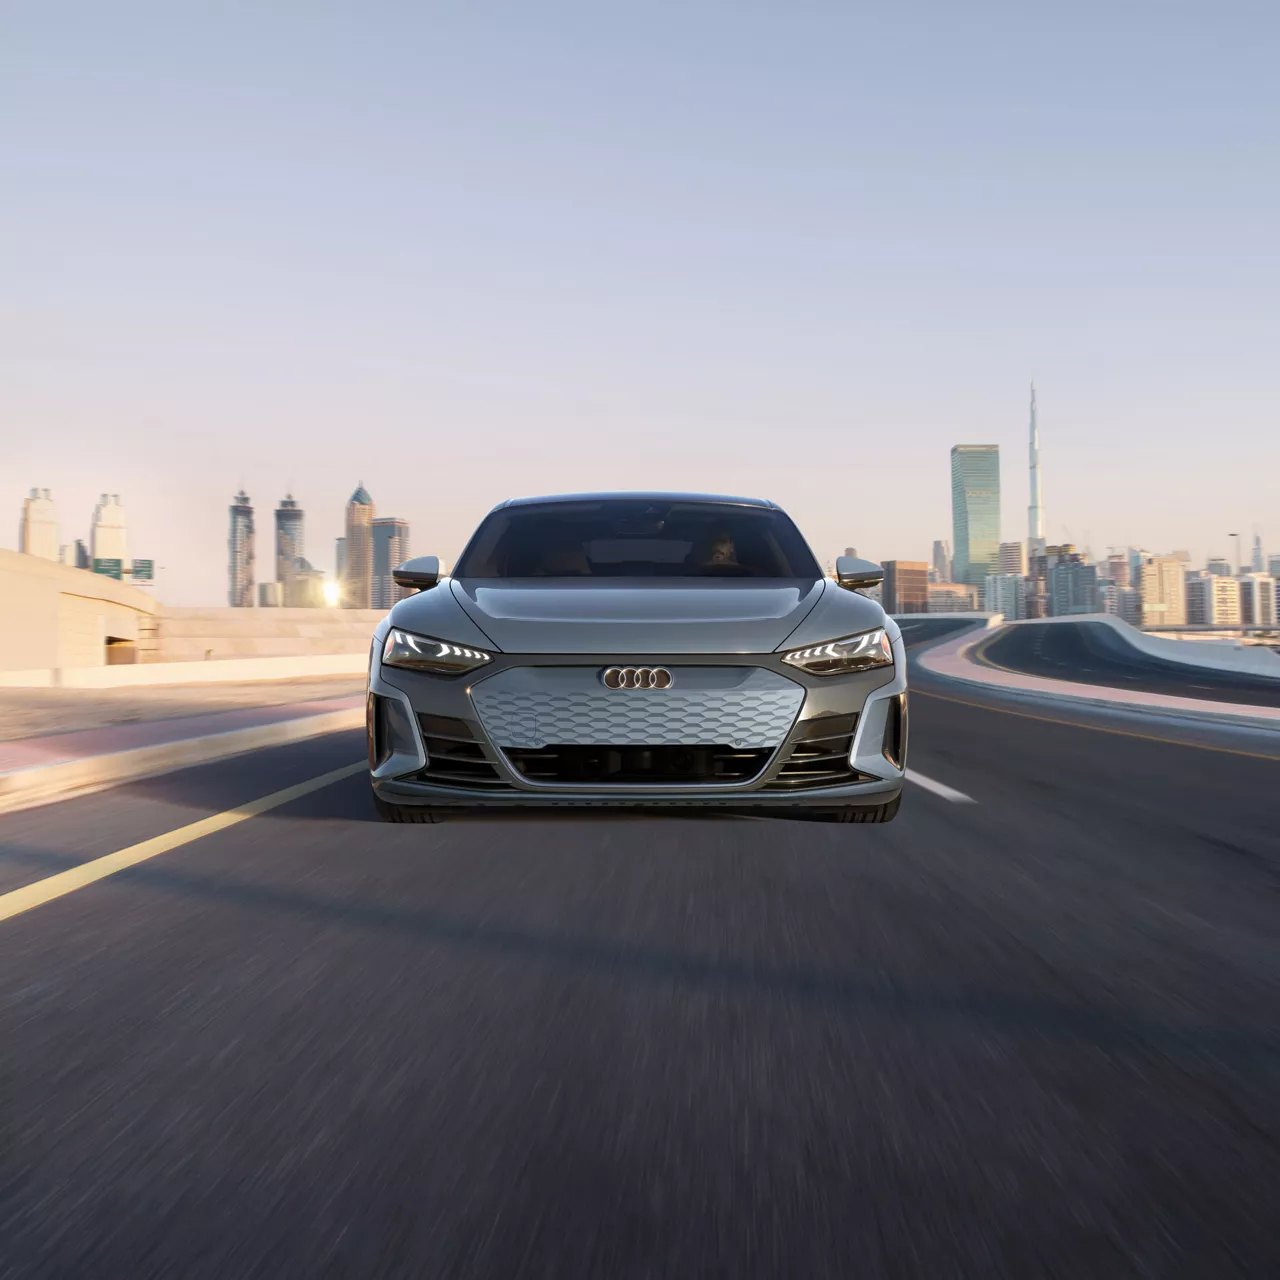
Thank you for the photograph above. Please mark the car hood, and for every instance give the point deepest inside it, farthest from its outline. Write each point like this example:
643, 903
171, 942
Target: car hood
637, 616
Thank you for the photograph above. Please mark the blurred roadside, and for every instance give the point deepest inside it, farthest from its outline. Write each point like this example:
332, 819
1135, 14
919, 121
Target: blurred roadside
32, 713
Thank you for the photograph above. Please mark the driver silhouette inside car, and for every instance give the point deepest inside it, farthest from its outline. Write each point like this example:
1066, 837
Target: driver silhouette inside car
719, 555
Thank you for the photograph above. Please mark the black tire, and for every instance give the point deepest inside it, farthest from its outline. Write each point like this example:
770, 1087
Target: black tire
874, 813
404, 812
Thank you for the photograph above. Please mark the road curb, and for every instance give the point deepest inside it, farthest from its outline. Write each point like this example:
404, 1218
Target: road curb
25, 788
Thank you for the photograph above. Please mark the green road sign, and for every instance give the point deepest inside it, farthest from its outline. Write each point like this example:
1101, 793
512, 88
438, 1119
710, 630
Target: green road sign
144, 570
112, 568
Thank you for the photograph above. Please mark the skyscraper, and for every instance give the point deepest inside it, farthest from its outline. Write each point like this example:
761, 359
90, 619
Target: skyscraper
357, 564
390, 548
1073, 588
975, 511
1164, 592
1257, 599
1258, 561
906, 586
1012, 558
109, 536
289, 540
1005, 593
1035, 512
1212, 599
38, 532
941, 560
1118, 570
240, 553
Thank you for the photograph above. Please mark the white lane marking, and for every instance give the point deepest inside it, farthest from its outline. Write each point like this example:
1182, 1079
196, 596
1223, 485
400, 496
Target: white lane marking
17, 901
939, 788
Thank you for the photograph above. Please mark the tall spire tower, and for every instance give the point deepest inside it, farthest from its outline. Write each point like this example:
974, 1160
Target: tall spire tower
1035, 512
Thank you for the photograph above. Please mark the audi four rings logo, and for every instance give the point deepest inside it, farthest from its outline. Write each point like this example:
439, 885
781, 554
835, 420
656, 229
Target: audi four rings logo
636, 678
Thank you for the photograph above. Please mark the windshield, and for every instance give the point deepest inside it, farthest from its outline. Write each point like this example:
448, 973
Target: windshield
621, 539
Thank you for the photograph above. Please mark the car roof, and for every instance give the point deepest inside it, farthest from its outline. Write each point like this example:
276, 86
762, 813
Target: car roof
718, 499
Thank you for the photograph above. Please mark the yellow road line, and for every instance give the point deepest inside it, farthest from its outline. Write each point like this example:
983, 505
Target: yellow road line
36, 895
1096, 728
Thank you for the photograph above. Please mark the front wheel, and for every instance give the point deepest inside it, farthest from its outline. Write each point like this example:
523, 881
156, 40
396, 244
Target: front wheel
403, 812
874, 813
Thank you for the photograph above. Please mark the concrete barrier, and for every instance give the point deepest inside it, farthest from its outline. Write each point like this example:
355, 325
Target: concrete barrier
23, 788
951, 661
1207, 655
212, 672
975, 616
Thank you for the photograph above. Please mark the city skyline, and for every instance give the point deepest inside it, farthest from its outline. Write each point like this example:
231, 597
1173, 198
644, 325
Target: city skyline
1018, 579
293, 513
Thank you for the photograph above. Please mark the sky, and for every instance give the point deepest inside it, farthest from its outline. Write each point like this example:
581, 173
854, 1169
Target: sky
463, 251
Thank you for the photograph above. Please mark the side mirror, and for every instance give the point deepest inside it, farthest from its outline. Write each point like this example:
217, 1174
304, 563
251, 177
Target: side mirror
852, 573
422, 572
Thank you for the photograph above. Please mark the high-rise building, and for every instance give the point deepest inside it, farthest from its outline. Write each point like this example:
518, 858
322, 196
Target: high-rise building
1039, 603
906, 586
1258, 561
1257, 599
975, 511
240, 553
357, 562
1012, 558
1221, 566
1005, 593
1073, 588
390, 548
1116, 569
270, 595
38, 532
1273, 565
289, 544
952, 597
339, 559
1164, 593
1035, 511
109, 535
1212, 600
941, 561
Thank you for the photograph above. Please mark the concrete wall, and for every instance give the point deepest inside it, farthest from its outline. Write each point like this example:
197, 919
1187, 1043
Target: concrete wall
238, 670
197, 635
54, 616
56, 623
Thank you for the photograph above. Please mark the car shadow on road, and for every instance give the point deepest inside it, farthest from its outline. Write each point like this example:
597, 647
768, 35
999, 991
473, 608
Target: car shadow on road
848, 994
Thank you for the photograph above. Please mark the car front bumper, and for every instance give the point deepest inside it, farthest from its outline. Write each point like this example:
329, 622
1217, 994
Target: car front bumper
834, 742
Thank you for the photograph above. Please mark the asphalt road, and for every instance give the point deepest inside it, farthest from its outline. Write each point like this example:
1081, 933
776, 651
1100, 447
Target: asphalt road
1032, 1035
1091, 653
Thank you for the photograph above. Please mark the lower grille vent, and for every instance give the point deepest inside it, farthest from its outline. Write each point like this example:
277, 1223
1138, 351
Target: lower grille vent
819, 756
454, 757
658, 765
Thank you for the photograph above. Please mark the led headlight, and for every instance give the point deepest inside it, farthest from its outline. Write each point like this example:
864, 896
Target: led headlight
863, 652
423, 653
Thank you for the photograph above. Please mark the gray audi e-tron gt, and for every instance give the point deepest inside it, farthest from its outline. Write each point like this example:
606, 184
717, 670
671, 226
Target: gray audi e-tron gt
638, 650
